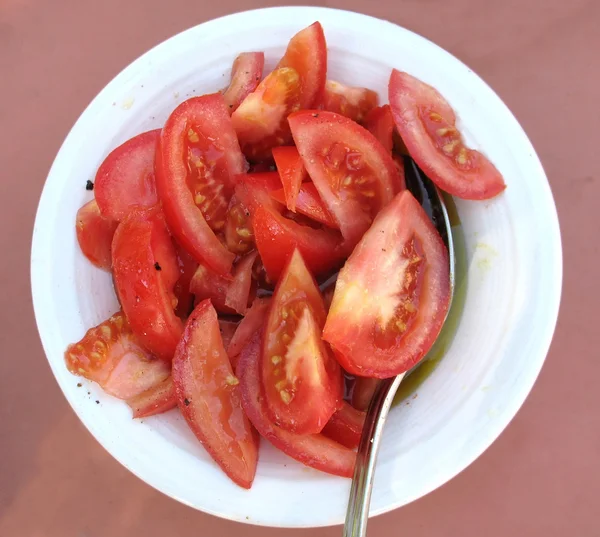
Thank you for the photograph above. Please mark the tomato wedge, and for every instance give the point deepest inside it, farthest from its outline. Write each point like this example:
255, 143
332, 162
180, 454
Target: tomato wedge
187, 268
353, 103
392, 296
303, 384
354, 174
314, 450
155, 400
380, 123
363, 391
252, 321
427, 125
197, 155
111, 355
309, 203
227, 295
345, 426
125, 180
209, 397
291, 172
297, 82
95, 234
246, 73
145, 271
227, 328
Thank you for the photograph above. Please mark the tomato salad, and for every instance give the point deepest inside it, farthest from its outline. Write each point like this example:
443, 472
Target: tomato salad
220, 228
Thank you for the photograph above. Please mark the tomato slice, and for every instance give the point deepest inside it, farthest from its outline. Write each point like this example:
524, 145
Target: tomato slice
354, 174
353, 103
111, 355
227, 328
252, 321
314, 450
95, 234
187, 268
392, 296
155, 400
309, 203
125, 180
277, 237
363, 391
297, 82
427, 125
197, 156
380, 123
145, 270
227, 295
209, 397
291, 172
302, 382
345, 426
246, 73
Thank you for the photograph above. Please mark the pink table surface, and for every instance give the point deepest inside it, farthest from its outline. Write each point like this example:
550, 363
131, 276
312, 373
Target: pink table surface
540, 479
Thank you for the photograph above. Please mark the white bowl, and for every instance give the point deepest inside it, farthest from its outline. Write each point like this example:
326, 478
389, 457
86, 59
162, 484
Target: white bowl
514, 274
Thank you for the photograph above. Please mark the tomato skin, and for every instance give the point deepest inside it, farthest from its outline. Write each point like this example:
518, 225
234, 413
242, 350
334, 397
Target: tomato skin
354, 174
302, 382
309, 203
353, 103
112, 356
125, 180
228, 295
209, 397
291, 171
94, 234
199, 135
246, 73
252, 321
145, 271
158, 399
316, 450
380, 123
427, 126
345, 426
392, 296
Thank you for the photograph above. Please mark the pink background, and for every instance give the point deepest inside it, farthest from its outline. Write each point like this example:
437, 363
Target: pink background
541, 478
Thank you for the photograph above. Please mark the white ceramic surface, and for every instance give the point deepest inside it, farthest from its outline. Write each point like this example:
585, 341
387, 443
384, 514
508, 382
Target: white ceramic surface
514, 276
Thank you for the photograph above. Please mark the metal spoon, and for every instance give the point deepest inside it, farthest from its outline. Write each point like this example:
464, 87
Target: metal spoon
357, 514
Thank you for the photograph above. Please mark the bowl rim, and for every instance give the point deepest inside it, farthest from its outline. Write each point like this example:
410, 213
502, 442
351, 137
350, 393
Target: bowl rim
39, 275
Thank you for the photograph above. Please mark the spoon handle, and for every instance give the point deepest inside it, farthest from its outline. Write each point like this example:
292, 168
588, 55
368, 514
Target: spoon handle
357, 515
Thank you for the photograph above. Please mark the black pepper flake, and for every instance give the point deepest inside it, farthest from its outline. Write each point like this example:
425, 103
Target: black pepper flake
79, 384
157, 266
257, 78
247, 213
230, 106
89, 185
315, 115
186, 402
97, 402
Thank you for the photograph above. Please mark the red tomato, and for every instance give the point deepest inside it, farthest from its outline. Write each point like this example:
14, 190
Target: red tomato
315, 450
291, 172
392, 296
246, 73
94, 234
227, 295
187, 268
380, 123
145, 271
227, 328
296, 83
427, 125
345, 426
111, 355
354, 174
209, 397
309, 203
197, 156
252, 321
303, 384
125, 180
277, 237
155, 400
363, 391
353, 103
